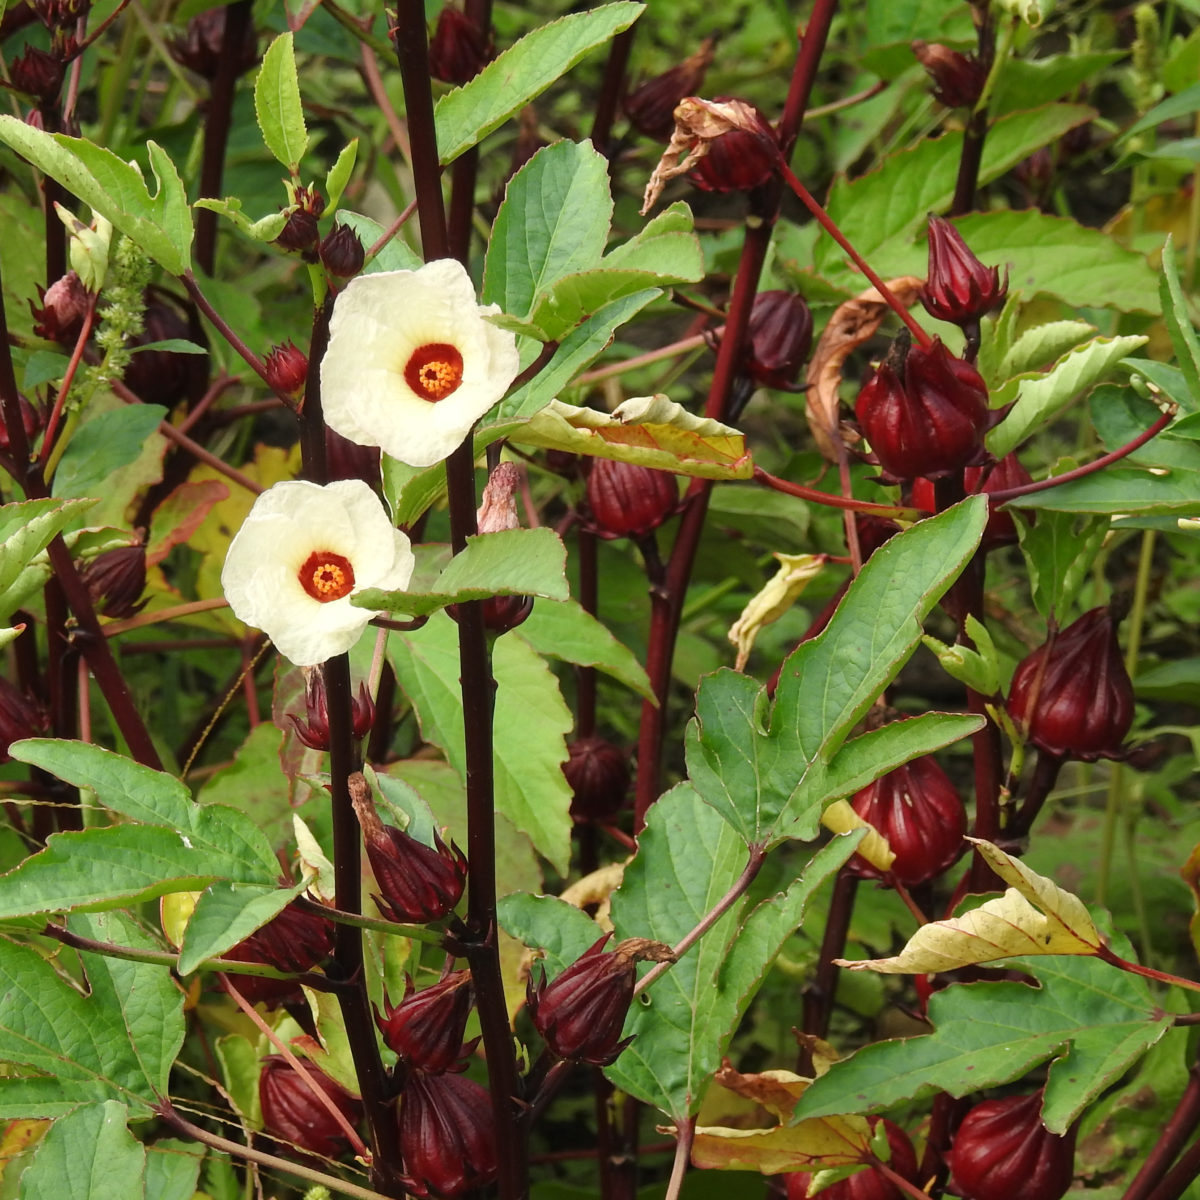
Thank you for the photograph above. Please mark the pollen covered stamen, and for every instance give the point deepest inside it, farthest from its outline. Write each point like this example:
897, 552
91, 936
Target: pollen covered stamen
434, 370
327, 576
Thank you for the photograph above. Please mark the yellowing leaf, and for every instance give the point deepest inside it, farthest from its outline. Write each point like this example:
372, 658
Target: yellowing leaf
1001, 928
796, 572
811, 1145
649, 430
840, 817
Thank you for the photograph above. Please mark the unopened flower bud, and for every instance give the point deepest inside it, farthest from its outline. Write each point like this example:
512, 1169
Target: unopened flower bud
580, 1014
38, 74
426, 1028
1003, 1150
201, 47
958, 79
627, 500
341, 252
115, 581
300, 233
780, 337
21, 716
286, 368
314, 732
959, 288
417, 883
459, 49
1073, 696
739, 159
60, 15
924, 411
447, 1135
650, 107
598, 773
295, 940
870, 1184
293, 1113
64, 305
921, 814
159, 376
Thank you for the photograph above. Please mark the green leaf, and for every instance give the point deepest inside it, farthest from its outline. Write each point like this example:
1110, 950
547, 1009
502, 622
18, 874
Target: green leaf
1042, 344
395, 256
339, 175
770, 774
161, 224
103, 445
565, 631
277, 104
468, 114
226, 914
172, 1168
512, 562
265, 229
1027, 83
1119, 415
553, 222
1059, 550
41, 367
1042, 396
883, 209
987, 1034
1179, 322
1179, 105
27, 527
88, 1155
688, 858
1167, 379
64, 1048
562, 931
531, 722
1124, 491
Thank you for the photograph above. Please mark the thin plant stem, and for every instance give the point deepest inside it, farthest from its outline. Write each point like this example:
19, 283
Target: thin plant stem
615, 69
685, 1135
890, 511
1177, 1179
51, 431
1116, 785
1181, 1125
820, 992
898, 1180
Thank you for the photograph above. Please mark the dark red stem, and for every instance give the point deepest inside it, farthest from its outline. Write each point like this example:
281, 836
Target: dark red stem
1181, 1125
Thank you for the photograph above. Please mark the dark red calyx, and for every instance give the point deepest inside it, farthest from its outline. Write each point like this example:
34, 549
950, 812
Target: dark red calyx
598, 773
314, 730
293, 1113
1073, 696
115, 581
459, 49
201, 46
296, 940
924, 411
447, 1135
580, 1014
341, 252
958, 288
159, 376
1002, 1150
958, 78
21, 716
1000, 530
417, 883
38, 74
650, 107
426, 1028
870, 1184
739, 159
626, 500
780, 338
286, 368
921, 814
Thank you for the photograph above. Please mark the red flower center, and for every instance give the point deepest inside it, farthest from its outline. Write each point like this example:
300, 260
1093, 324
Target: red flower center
434, 370
327, 576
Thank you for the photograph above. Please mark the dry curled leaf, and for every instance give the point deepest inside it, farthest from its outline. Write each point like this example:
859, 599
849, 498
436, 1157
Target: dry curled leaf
1002, 928
778, 594
852, 323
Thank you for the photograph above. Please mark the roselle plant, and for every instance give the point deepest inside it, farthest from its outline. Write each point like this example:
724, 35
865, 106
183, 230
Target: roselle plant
385, 810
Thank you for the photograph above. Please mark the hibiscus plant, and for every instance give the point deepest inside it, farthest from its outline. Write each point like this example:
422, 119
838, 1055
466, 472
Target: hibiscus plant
599, 595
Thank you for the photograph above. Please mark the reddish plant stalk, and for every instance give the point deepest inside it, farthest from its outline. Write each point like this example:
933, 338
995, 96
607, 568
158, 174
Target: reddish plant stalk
1181, 1125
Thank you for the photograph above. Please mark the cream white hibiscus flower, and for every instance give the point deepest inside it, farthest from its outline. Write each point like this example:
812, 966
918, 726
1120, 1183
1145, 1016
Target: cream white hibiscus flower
412, 364
300, 555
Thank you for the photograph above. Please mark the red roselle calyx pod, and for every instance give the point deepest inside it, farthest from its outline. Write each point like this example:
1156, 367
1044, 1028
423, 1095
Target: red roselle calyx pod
650, 107
870, 1184
30, 423
64, 306
1002, 1150
115, 581
627, 500
292, 1113
314, 732
1000, 530
921, 814
200, 48
739, 159
21, 717
780, 338
459, 49
426, 1028
159, 376
38, 74
417, 883
959, 288
296, 940
598, 773
1073, 696
580, 1014
924, 411
286, 368
447, 1136
341, 252
958, 79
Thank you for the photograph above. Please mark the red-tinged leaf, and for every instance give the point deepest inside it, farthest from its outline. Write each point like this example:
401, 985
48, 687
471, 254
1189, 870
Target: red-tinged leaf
180, 515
